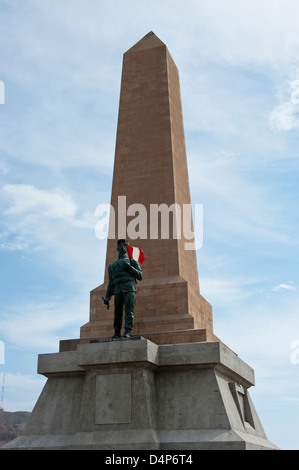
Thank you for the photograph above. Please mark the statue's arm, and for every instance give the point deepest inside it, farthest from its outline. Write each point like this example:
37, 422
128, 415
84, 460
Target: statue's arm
135, 269
109, 291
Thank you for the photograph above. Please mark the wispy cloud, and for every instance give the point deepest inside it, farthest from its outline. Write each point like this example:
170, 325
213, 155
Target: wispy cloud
264, 38
28, 199
50, 225
224, 291
39, 326
285, 116
290, 286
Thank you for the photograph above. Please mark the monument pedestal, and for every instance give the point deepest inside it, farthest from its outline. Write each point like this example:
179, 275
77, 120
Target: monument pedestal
139, 395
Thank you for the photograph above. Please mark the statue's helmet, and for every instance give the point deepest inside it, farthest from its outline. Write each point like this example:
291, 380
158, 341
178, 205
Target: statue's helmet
122, 241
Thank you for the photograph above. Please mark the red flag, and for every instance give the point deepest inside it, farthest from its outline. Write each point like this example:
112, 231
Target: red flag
136, 253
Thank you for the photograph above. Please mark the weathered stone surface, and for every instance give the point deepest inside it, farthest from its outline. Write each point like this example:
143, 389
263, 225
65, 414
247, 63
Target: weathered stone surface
113, 399
138, 395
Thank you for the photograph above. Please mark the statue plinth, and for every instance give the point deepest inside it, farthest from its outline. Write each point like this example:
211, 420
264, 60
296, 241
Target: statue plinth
137, 395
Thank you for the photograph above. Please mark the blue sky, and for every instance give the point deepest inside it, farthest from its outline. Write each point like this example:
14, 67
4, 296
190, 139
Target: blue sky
61, 64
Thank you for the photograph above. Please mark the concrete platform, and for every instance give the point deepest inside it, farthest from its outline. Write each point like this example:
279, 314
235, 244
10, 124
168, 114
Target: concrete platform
139, 395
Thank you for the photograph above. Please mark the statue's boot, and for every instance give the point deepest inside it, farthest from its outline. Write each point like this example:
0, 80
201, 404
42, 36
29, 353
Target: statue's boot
116, 334
127, 333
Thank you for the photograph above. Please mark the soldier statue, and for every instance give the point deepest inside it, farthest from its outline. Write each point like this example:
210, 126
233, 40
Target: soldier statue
122, 284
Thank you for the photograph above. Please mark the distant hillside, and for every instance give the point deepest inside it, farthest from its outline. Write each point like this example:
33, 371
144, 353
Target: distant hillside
11, 424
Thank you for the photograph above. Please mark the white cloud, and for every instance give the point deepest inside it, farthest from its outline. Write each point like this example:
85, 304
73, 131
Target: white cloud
224, 291
27, 203
264, 32
285, 117
38, 326
285, 287
50, 226
15, 244
28, 199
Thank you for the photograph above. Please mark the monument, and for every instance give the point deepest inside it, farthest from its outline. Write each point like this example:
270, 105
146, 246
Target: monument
177, 386
150, 169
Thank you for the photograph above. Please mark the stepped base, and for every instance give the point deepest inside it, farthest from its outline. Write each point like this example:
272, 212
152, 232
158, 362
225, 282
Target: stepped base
119, 395
163, 337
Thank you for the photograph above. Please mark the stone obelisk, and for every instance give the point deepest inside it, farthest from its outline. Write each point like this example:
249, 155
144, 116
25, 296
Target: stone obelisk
150, 168
177, 387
